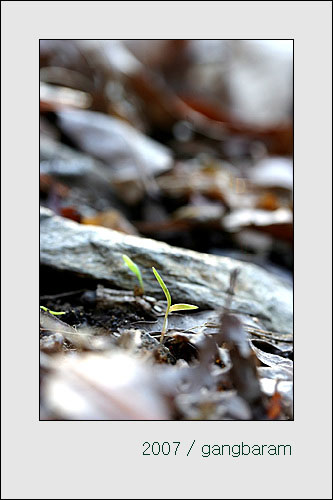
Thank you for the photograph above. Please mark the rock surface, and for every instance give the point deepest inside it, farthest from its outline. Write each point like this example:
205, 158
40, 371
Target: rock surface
119, 145
191, 277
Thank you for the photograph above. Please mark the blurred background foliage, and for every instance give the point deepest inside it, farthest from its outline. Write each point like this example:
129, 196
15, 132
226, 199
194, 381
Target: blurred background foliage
184, 141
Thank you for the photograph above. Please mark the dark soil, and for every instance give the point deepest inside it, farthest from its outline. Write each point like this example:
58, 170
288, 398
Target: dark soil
80, 311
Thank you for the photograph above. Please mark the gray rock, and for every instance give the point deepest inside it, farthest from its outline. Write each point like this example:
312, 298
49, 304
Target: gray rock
191, 277
61, 160
130, 158
86, 176
119, 145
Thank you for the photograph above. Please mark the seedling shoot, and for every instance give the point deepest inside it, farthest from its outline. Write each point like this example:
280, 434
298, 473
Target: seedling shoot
135, 270
52, 312
170, 307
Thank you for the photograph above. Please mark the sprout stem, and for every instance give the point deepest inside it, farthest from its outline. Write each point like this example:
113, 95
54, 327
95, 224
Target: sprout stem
165, 324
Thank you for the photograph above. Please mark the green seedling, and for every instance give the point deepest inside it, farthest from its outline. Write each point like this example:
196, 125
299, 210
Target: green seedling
51, 312
170, 308
135, 269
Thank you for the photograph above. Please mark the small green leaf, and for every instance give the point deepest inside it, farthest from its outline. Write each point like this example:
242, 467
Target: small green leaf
134, 268
182, 307
163, 286
52, 312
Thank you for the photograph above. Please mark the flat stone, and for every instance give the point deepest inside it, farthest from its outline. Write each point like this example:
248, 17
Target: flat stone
192, 277
116, 143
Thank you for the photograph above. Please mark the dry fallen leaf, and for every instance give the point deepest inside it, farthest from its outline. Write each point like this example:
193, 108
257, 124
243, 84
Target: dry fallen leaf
112, 386
113, 219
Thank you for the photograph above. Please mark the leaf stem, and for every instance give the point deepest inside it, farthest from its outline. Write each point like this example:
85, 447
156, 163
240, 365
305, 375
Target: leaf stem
165, 324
